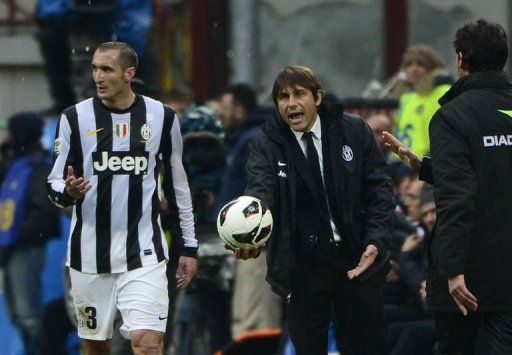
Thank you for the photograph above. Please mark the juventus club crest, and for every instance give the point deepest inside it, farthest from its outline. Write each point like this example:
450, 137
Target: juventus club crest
121, 129
347, 153
145, 131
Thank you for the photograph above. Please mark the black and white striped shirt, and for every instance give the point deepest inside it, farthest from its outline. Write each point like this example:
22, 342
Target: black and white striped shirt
116, 226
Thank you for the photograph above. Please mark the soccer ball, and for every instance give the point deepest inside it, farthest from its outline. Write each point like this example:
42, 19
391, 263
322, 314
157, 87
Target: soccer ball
244, 223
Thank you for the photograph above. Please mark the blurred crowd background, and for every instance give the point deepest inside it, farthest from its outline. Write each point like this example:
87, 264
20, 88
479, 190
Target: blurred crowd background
214, 62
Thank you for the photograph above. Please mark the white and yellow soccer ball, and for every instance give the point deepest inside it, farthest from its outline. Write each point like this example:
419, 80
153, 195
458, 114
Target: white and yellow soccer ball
245, 223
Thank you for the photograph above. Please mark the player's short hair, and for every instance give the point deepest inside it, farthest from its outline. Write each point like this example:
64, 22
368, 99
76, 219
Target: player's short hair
127, 56
296, 75
483, 45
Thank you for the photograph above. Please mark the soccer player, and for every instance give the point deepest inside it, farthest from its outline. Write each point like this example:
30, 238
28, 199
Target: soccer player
108, 155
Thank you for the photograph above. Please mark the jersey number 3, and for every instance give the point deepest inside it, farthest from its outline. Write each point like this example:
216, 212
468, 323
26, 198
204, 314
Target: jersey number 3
91, 317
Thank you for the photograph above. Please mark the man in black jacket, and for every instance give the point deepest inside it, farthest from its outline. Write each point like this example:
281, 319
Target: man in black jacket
322, 175
471, 144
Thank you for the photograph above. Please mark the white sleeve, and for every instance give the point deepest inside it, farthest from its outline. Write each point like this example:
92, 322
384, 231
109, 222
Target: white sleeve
181, 189
56, 180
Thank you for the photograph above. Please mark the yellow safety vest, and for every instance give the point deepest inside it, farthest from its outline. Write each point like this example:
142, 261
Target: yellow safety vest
414, 115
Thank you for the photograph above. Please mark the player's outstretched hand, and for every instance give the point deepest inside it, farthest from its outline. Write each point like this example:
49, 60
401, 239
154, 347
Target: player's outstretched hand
76, 188
187, 267
244, 253
405, 153
367, 259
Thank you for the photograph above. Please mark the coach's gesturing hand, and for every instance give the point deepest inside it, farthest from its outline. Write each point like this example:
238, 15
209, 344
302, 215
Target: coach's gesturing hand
76, 188
461, 295
187, 267
367, 259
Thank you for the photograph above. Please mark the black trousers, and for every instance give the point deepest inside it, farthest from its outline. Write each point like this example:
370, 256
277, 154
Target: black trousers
412, 338
321, 285
478, 333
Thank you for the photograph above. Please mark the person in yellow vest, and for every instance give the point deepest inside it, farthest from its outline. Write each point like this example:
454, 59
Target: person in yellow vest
426, 81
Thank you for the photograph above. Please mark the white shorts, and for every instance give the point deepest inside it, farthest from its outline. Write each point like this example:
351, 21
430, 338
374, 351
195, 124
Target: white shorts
141, 296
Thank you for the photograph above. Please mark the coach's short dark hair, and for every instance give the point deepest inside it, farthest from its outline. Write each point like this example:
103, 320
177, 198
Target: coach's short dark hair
127, 55
243, 95
483, 45
296, 75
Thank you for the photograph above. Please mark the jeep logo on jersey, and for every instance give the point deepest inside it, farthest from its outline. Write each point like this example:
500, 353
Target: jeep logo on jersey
120, 163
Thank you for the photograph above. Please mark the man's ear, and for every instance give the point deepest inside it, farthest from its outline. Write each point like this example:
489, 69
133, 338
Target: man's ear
460, 61
129, 74
319, 97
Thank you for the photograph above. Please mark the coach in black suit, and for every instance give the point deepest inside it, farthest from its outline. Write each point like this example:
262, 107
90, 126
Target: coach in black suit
322, 175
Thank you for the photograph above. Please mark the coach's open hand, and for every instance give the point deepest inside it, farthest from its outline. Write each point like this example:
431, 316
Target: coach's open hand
76, 188
460, 294
244, 254
187, 267
367, 259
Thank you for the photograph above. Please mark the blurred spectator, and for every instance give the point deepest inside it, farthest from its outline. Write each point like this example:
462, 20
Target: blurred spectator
412, 201
121, 20
235, 105
242, 121
427, 208
426, 81
254, 306
53, 37
202, 314
415, 332
379, 123
214, 104
180, 98
401, 177
200, 118
204, 158
413, 249
27, 221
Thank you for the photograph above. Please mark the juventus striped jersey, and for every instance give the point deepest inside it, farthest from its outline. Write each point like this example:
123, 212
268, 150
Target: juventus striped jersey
116, 226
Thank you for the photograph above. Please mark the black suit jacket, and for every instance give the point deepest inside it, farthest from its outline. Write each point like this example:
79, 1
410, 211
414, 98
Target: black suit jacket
363, 199
312, 220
